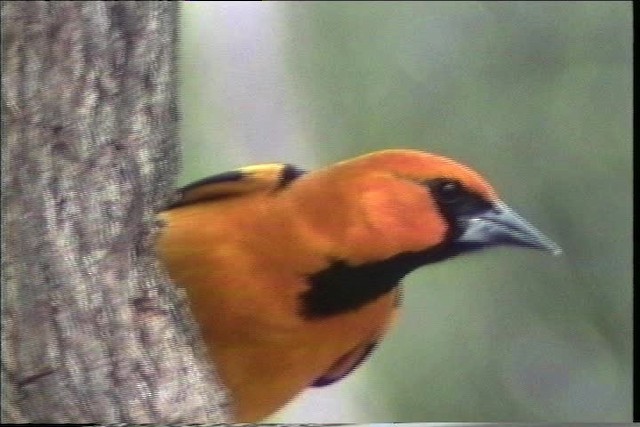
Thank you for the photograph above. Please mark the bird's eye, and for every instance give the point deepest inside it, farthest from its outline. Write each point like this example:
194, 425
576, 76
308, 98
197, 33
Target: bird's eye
455, 199
448, 191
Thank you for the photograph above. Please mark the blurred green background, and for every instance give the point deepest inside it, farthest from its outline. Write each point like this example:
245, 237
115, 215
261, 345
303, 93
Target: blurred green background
537, 96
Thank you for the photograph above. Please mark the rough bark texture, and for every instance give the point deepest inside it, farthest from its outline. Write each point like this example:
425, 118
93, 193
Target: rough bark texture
92, 328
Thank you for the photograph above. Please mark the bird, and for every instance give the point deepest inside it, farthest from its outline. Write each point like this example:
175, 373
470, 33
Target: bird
294, 276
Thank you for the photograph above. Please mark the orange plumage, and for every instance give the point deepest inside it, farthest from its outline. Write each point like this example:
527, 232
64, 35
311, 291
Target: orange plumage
293, 277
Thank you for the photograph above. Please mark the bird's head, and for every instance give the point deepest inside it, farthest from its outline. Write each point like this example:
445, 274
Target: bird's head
392, 202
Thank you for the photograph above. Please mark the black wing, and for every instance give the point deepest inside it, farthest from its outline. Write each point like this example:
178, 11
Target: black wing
267, 177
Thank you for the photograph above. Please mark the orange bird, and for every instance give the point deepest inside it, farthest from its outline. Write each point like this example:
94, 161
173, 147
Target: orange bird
294, 276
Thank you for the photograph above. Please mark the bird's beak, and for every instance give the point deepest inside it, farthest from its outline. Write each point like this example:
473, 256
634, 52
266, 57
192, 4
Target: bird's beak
502, 226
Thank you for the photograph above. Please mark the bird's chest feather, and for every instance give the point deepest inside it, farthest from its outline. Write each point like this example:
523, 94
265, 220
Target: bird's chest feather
265, 364
250, 287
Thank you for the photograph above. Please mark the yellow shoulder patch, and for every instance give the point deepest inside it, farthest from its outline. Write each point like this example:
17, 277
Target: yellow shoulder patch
249, 179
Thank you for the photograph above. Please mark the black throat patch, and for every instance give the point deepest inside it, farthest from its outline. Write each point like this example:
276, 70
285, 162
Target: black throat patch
342, 288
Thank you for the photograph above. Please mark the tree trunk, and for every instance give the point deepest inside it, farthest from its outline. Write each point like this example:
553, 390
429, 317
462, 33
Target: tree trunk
93, 331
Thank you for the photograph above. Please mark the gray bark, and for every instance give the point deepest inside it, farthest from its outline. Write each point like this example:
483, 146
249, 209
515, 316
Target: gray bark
92, 328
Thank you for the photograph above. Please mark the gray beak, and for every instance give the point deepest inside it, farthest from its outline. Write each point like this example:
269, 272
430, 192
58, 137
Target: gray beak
502, 226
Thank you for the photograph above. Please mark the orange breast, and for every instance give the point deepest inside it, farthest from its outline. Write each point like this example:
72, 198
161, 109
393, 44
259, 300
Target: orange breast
248, 307
264, 369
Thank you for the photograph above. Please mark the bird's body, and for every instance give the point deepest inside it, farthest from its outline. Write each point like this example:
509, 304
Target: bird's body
293, 277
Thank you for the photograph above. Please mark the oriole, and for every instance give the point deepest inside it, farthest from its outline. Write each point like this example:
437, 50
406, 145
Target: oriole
294, 276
